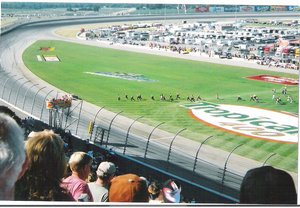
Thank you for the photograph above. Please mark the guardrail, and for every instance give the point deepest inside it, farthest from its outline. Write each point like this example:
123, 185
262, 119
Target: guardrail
220, 182
191, 191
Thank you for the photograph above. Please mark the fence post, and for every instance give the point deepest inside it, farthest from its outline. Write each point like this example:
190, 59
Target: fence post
5, 84
44, 103
224, 170
69, 112
148, 140
26, 95
79, 116
33, 102
5, 72
169, 153
268, 158
110, 127
196, 157
13, 87
126, 139
95, 120
19, 91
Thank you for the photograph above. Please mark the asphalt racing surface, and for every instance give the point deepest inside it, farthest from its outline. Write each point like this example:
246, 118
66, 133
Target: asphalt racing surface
27, 92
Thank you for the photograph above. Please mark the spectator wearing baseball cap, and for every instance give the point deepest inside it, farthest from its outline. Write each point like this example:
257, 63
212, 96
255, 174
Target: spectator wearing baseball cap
99, 189
171, 191
128, 188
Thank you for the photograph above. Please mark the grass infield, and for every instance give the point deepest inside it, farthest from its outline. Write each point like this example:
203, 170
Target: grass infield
173, 76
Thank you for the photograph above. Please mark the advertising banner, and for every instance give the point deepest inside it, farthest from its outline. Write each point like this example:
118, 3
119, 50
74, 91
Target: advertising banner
216, 9
202, 8
246, 8
293, 8
278, 8
262, 8
231, 8
275, 79
247, 121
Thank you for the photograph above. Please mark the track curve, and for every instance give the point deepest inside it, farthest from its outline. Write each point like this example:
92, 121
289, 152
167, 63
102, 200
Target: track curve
26, 91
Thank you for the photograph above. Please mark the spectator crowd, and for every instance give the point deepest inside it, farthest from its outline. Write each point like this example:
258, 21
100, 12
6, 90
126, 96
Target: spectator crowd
42, 167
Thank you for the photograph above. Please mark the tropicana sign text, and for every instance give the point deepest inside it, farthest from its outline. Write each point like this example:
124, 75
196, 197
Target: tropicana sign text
248, 121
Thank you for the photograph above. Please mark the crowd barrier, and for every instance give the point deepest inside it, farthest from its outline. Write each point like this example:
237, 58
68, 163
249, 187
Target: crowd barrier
191, 192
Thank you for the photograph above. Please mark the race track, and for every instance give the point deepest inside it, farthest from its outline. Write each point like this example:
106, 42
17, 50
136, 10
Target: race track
27, 92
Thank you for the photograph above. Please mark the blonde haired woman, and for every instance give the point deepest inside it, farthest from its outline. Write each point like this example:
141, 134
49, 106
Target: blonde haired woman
46, 168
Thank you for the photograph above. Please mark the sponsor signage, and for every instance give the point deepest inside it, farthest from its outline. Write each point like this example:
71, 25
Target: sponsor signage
278, 8
51, 58
275, 79
122, 75
47, 48
293, 8
246, 8
216, 9
262, 8
201, 8
247, 121
231, 9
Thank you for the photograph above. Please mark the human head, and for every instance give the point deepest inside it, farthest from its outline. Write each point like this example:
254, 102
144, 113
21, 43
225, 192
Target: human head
128, 188
171, 191
9, 112
45, 153
154, 189
267, 185
106, 170
80, 163
12, 155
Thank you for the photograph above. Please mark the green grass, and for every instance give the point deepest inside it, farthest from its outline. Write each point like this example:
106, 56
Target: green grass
174, 76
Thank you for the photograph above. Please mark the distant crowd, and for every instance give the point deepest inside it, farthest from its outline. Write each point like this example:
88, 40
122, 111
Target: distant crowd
43, 173
261, 60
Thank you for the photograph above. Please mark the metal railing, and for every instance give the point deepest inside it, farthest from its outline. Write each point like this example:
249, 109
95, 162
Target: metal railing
190, 166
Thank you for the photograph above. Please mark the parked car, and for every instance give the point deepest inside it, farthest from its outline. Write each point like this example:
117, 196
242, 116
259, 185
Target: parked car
227, 55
